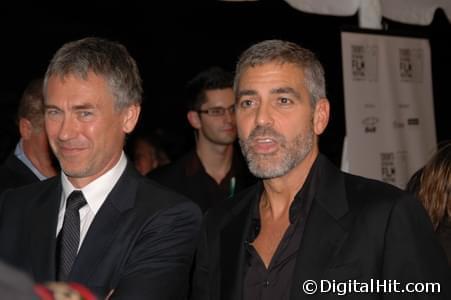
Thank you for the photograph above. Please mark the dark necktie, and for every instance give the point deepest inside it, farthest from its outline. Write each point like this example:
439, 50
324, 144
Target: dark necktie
69, 238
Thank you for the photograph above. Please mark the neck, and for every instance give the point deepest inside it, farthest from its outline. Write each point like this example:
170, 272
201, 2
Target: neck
82, 181
40, 159
216, 159
279, 192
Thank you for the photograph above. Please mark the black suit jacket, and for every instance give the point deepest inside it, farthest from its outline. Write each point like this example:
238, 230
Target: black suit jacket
14, 173
140, 243
357, 229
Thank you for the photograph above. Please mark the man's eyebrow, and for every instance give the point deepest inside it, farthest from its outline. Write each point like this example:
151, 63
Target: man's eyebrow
75, 107
242, 93
286, 90
50, 106
83, 106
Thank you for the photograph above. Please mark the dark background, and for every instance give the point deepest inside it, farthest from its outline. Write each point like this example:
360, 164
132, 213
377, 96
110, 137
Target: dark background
172, 42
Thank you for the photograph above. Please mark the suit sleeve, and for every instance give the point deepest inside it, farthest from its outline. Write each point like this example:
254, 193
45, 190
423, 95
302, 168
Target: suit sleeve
160, 262
1, 201
201, 278
412, 253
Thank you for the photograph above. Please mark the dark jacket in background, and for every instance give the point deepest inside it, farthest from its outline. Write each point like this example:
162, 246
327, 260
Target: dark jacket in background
14, 173
188, 177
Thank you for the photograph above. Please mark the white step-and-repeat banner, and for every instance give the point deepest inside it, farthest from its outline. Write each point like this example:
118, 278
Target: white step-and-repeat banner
389, 107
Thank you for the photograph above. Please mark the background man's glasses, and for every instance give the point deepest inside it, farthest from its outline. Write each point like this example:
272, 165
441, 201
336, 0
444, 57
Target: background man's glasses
217, 111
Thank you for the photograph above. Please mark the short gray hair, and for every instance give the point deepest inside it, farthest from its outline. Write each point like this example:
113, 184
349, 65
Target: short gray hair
105, 58
285, 52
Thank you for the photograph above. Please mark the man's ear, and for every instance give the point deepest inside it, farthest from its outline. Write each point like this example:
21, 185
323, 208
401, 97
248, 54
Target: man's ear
321, 116
25, 128
194, 119
130, 117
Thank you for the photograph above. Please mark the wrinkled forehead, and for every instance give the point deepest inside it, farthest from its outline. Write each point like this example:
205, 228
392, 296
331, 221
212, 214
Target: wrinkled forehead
270, 64
271, 73
90, 80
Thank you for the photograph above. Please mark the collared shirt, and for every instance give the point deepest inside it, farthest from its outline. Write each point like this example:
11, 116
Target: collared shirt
20, 154
275, 281
95, 194
188, 177
226, 188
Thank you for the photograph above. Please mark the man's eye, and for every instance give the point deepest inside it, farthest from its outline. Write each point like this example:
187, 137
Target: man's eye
52, 112
284, 100
84, 114
246, 103
216, 111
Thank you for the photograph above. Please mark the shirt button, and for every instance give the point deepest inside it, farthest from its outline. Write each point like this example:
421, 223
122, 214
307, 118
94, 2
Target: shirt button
266, 284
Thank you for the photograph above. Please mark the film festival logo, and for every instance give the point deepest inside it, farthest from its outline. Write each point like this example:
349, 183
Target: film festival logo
364, 62
388, 169
369, 124
411, 65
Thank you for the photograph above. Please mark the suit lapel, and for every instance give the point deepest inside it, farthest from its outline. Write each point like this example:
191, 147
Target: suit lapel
232, 247
43, 222
325, 230
104, 226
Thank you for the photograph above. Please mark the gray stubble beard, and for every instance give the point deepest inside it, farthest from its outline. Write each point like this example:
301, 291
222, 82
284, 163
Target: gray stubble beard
288, 156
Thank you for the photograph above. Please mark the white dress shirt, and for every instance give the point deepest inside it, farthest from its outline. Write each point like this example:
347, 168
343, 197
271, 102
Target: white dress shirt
95, 194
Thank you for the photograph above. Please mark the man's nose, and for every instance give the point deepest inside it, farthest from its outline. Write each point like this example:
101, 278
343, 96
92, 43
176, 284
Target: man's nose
229, 114
67, 129
263, 116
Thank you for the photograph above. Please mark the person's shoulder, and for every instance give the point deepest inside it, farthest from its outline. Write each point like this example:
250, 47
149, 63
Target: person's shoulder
152, 194
27, 194
372, 187
10, 167
376, 195
4, 169
35, 187
226, 211
168, 172
7, 177
358, 190
164, 171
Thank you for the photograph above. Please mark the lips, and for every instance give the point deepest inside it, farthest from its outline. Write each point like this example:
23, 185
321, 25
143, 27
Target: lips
264, 145
70, 151
229, 128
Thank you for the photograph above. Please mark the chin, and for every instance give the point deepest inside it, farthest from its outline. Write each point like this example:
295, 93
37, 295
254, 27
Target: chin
74, 172
229, 139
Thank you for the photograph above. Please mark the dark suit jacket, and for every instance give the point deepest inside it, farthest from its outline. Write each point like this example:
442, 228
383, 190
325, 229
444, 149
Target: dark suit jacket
357, 229
14, 173
140, 243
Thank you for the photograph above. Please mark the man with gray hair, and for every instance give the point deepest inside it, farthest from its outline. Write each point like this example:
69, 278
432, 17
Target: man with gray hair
100, 223
306, 226
32, 159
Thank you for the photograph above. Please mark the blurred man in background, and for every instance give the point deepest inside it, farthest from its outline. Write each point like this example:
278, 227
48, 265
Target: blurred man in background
213, 170
32, 159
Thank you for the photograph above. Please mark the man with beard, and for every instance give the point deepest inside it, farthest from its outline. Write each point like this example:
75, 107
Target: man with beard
307, 227
213, 171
